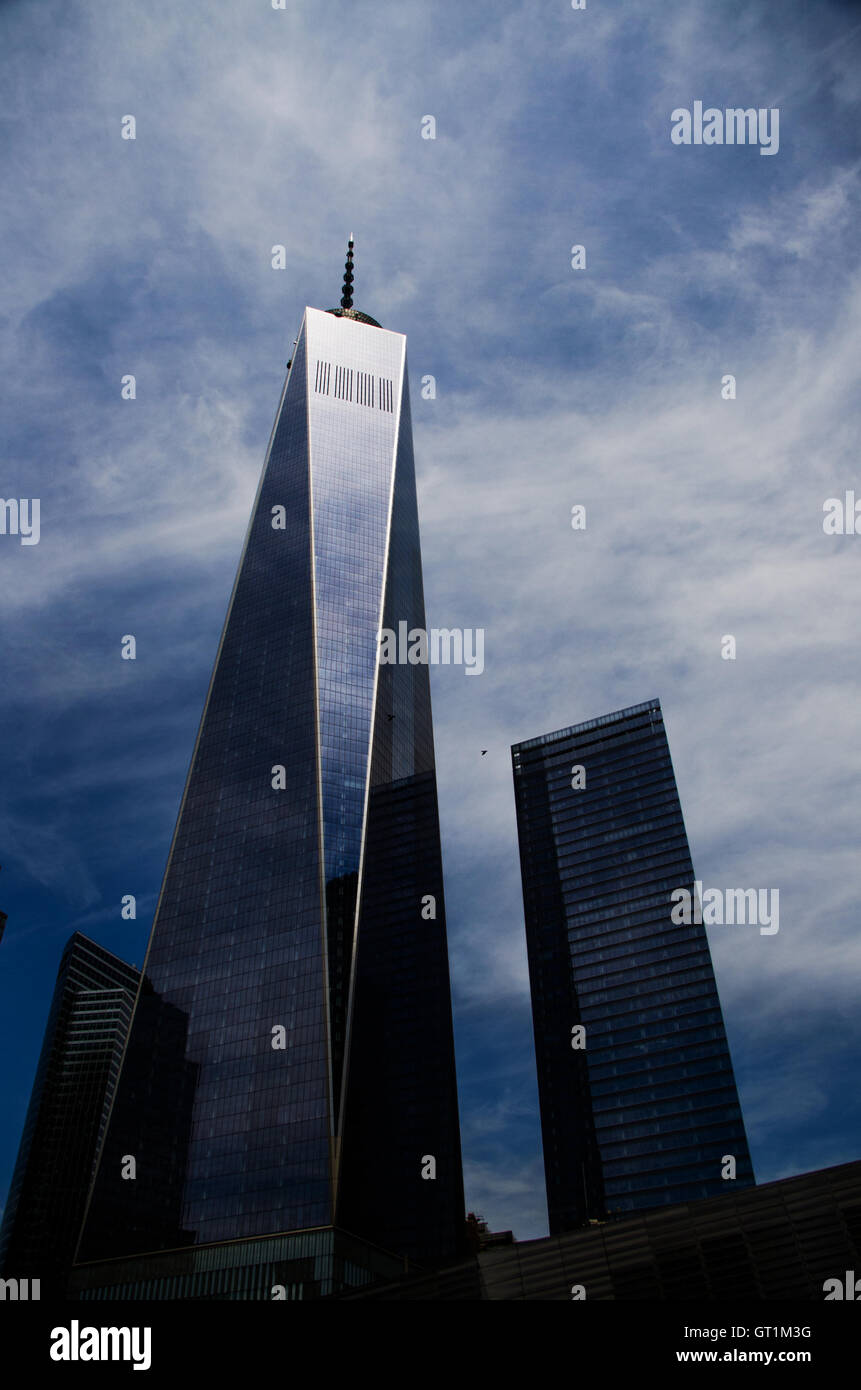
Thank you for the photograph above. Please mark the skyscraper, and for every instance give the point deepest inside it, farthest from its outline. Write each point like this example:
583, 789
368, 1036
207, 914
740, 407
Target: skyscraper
291, 1063
75, 1080
644, 1114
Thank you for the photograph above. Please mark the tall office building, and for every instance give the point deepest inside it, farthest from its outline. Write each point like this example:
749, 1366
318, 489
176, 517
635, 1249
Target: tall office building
291, 1064
644, 1114
75, 1080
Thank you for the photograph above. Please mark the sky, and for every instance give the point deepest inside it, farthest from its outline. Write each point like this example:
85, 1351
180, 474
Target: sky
601, 386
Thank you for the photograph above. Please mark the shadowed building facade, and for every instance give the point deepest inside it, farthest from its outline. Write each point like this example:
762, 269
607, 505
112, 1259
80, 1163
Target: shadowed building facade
645, 1113
796, 1239
291, 1069
75, 1080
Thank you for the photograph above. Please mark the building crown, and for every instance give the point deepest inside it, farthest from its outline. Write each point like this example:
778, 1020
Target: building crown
346, 311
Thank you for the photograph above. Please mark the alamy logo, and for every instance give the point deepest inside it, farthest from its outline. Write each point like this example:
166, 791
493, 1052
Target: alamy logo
20, 517
734, 126
731, 906
20, 1290
76, 1343
848, 1288
842, 515
442, 646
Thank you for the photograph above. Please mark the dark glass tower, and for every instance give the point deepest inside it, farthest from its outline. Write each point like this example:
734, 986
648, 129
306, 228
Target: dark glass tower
645, 1113
75, 1081
291, 1065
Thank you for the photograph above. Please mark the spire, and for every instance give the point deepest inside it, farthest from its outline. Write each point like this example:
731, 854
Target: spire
347, 296
346, 311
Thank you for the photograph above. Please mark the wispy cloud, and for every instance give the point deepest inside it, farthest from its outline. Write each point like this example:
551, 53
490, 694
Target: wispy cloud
555, 386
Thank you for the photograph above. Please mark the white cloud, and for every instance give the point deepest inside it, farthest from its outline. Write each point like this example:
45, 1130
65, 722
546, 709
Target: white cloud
257, 127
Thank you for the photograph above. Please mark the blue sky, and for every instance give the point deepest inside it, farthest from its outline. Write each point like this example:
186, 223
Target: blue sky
602, 386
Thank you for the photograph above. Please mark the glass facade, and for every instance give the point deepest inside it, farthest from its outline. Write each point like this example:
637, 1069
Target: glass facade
75, 1081
279, 964
303, 1266
644, 1114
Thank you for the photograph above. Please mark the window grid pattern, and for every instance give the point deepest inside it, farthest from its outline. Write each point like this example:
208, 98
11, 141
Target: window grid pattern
234, 1138
75, 1082
644, 1115
232, 1135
